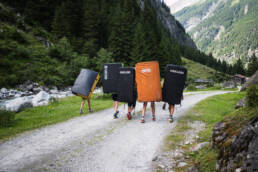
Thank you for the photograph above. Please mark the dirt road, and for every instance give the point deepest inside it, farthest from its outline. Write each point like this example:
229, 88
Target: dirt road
96, 142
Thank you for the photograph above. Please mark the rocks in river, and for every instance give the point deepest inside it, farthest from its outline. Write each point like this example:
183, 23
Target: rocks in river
3, 90
18, 104
32, 95
42, 98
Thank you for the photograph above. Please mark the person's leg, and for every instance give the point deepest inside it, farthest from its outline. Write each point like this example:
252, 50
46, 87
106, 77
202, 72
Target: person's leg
171, 112
82, 105
153, 111
115, 106
143, 111
130, 109
116, 109
89, 106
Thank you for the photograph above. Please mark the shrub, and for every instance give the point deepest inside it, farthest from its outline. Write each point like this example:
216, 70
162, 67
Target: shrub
6, 118
252, 96
191, 87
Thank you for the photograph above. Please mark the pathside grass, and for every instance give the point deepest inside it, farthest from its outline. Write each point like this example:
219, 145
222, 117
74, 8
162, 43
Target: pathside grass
57, 111
210, 111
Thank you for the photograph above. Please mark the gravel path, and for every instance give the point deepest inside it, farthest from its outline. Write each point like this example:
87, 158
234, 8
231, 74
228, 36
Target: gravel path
95, 142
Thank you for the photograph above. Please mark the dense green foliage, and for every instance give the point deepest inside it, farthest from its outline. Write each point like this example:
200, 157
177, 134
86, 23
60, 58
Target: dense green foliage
252, 66
229, 32
6, 118
252, 96
57, 111
50, 41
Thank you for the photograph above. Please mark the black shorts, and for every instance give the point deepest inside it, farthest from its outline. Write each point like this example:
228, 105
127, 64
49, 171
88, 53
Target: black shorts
114, 97
133, 104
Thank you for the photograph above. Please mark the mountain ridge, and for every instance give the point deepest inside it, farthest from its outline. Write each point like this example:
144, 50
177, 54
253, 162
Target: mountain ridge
225, 28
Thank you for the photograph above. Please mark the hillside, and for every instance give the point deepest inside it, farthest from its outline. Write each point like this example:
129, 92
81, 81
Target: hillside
227, 29
196, 70
50, 41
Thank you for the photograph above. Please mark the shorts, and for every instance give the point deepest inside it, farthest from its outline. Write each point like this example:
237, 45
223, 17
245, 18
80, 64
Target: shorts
133, 104
114, 97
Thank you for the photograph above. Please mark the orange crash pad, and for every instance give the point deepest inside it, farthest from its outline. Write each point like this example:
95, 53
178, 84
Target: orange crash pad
147, 76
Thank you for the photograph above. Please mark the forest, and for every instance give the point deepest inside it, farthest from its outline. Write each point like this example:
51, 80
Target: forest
50, 41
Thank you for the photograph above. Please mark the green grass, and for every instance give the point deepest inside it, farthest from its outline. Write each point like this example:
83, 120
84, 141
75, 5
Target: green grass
210, 111
55, 112
196, 70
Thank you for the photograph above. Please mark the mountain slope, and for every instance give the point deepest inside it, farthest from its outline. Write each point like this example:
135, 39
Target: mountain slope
225, 28
171, 24
196, 70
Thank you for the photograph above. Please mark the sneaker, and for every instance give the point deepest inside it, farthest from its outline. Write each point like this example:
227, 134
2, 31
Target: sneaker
164, 106
81, 112
90, 110
153, 118
170, 119
115, 115
129, 116
142, 120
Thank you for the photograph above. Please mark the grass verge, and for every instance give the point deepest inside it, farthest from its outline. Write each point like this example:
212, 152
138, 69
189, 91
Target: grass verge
58, 111
209, 111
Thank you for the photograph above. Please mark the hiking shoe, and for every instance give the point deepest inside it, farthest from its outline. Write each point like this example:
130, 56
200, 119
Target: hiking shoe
164, 106
153, 118
170, 119
115, 115
90, 110
142, 120
129, 116
81, 112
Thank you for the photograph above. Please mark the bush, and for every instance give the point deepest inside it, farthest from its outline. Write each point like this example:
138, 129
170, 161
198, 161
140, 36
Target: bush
6, 118
252, 96
191, 87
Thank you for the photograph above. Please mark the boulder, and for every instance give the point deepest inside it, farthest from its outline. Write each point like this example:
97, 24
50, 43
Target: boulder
252, 80
229, 84
199, 146
3, 90
37, 89
241, 103
18, 104
42, 98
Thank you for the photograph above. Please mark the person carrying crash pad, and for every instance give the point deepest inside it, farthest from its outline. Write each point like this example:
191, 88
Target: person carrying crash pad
126, 88
174, 84
109, 82
148, 85
84, 86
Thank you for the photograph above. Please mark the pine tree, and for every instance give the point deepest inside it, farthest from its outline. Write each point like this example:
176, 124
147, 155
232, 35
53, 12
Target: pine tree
138, 46
252, 66
238, 67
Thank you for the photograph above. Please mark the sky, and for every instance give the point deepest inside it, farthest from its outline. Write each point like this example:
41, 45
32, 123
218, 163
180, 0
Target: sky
176, 5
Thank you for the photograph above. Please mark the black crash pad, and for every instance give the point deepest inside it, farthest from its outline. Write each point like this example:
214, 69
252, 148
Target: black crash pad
126, 89
174, 83
110, 76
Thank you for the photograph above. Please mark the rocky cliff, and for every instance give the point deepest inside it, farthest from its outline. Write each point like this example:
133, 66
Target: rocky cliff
169, 22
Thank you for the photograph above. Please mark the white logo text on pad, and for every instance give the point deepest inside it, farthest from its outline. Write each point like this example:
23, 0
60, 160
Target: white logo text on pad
146, 70
125, 72
177, 71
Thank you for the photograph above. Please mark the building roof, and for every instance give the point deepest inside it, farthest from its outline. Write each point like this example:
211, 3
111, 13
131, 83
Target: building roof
239, 76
